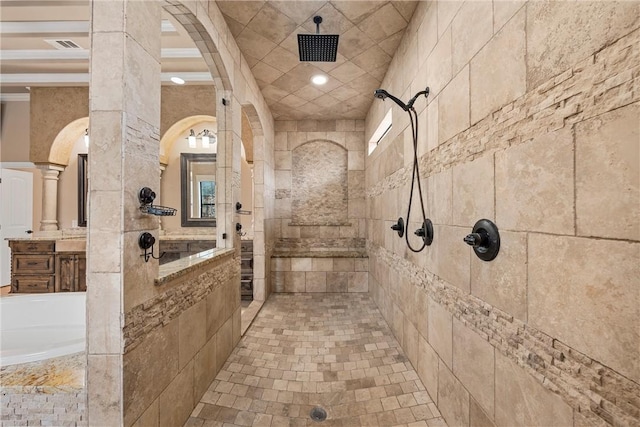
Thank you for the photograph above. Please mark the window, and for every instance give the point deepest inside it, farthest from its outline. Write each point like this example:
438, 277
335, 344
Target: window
383, 129
207, 199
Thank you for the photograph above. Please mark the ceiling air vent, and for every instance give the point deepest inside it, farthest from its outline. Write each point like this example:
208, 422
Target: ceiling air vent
63, 44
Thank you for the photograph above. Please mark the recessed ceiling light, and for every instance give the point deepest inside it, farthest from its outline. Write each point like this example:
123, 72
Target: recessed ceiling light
319, 79
177, 80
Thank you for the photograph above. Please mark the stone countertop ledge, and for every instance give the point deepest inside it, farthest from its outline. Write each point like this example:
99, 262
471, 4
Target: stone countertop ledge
162, 238
169, 271
319, 224
45, 238
172, 270
189, 237
320, 254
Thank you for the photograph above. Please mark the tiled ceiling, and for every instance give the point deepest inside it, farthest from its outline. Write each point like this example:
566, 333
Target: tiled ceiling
266, 32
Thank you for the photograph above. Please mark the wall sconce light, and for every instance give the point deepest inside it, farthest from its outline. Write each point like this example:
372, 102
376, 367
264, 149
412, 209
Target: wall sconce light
86, 137
192, 139
207, 139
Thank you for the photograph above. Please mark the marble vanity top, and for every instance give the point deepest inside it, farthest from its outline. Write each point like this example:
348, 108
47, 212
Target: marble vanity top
181, 237
174, 269
168, 238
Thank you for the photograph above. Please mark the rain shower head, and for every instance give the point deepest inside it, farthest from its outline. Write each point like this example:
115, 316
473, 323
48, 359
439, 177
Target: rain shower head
318, 47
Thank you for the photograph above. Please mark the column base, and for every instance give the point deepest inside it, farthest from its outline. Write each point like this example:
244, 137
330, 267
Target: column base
48, 225
53, 234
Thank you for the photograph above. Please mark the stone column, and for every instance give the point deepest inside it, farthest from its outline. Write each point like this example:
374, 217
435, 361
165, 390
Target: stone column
124, 154
50, 174
228, 114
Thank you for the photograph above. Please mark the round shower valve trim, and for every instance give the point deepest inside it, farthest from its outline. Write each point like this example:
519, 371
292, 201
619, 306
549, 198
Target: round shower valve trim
485, 240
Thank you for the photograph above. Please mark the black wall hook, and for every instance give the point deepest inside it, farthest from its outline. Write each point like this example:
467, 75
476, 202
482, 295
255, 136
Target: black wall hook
485, 240
146, 242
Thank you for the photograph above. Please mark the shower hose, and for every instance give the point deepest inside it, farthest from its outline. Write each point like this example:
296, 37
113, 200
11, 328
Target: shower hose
425, 231
415, 177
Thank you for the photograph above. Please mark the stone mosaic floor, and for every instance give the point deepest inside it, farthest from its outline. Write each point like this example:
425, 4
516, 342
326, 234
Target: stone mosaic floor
302, 351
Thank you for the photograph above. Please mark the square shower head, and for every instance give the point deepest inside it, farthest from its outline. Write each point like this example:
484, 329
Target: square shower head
318, 47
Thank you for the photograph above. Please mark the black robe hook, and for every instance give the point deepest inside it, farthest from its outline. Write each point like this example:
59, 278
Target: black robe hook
146, 242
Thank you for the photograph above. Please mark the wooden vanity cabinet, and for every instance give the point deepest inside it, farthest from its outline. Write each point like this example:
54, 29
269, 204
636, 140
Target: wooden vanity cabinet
32, 266
71, 272
36, 267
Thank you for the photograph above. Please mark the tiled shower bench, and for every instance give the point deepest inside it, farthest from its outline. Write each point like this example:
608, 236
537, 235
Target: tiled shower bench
320, 271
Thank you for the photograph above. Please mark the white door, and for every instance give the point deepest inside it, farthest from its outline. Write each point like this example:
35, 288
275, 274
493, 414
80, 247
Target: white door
16, 214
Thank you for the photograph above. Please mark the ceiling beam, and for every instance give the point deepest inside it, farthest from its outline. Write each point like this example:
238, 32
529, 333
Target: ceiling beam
52, 27
83, 78
14, 97
74, 54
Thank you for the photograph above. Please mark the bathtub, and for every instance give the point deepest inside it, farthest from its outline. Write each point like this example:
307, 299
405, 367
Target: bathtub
41, 326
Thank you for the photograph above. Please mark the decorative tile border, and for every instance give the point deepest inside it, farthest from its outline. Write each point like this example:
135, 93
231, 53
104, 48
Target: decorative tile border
599, 393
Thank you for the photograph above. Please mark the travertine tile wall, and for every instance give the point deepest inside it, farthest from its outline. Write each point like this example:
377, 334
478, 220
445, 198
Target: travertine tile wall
121, 390
263, 204
532, 122
320, 274
319, 208
176, 343
124, 103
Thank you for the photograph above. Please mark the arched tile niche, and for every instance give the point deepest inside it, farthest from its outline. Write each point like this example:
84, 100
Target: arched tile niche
319, 190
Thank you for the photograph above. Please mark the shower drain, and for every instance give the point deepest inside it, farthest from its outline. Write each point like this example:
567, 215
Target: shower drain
318, 414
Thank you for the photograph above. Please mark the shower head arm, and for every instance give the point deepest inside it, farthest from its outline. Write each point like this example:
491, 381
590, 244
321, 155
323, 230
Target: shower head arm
415, 97
317, 20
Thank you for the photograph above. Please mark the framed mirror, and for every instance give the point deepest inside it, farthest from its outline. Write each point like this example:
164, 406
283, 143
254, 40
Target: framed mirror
198, 189
83, 187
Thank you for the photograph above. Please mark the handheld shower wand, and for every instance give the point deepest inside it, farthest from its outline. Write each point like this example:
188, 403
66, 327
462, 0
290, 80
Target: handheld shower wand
426, 231
383, 94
